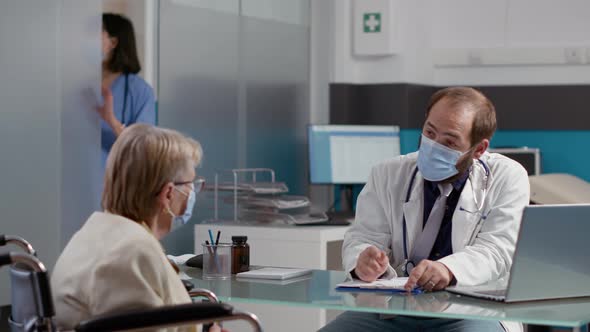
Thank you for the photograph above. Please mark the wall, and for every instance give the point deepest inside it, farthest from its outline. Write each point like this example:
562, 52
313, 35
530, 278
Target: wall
407, 66
507, 43
427, 26
49, 130
526, 31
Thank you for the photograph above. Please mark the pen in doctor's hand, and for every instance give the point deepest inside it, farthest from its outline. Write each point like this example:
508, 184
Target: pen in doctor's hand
371, 264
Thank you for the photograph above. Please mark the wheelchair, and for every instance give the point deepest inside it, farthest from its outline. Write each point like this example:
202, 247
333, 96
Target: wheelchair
33, 310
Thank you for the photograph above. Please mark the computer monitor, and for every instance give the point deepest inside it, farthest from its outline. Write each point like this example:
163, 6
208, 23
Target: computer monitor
345, 154
529, 158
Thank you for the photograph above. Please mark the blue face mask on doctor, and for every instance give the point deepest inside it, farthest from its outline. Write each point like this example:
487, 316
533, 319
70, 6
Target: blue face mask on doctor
178, 221
437, 162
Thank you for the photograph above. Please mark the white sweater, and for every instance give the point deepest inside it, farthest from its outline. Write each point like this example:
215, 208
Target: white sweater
112, 264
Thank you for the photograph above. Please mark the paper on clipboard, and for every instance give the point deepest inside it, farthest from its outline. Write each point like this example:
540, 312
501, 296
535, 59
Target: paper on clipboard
395, 285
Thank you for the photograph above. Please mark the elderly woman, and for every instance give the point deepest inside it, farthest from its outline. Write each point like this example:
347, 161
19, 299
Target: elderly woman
115, 261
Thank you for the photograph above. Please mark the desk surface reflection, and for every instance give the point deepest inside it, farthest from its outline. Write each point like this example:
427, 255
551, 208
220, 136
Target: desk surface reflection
318, 291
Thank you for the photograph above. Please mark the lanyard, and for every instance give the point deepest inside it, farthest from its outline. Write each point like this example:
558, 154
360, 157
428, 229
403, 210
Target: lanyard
125, 98
408, 193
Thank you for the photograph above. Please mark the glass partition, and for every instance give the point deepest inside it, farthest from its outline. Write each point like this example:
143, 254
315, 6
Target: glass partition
49, 132
234, 75
275, 78
198, 89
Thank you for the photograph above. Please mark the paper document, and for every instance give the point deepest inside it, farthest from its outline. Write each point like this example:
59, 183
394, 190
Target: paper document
180, 260
291, 204
255, 187
274, 273
280, 202
395, 283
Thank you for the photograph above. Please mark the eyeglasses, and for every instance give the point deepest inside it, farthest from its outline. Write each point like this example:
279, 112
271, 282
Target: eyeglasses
198, 184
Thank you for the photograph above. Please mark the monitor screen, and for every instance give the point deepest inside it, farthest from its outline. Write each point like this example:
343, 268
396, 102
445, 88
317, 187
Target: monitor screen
345, 154
529, 158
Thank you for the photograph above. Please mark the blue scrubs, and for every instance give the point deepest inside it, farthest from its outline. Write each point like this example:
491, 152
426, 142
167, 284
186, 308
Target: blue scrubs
140, 107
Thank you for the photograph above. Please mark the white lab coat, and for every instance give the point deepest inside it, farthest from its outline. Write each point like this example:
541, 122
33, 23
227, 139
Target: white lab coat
482, 248
113, 264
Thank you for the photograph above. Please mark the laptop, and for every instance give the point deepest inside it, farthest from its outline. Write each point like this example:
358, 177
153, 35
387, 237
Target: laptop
550, 260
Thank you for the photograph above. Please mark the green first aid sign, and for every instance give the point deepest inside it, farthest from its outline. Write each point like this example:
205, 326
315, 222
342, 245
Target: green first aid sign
372, 22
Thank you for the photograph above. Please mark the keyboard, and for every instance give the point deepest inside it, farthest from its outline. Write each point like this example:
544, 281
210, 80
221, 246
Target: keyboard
493, 292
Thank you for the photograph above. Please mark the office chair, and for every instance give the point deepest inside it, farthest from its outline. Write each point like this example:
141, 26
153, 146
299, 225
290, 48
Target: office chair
33, 310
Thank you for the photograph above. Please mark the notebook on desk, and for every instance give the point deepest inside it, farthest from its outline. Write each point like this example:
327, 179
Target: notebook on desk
550, 260
274, 273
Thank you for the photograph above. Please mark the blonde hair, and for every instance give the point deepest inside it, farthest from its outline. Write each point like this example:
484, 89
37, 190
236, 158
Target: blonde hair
143, 159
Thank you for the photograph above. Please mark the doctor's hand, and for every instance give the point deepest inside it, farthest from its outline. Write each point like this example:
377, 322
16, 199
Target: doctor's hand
107, 112
429, 275
371, 264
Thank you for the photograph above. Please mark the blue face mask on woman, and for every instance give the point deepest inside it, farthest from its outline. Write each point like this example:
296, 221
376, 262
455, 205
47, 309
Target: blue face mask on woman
178, 221
437, 162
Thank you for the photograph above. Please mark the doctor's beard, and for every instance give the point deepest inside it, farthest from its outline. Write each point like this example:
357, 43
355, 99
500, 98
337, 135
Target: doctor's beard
463, 165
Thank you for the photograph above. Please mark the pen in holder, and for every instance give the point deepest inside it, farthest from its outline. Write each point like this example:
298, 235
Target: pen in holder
216, 260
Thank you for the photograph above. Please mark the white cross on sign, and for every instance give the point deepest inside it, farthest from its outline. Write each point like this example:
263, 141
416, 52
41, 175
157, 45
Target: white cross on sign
372, 22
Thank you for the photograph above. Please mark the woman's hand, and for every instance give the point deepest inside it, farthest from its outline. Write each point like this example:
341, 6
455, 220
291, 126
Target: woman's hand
216, 328
107, 113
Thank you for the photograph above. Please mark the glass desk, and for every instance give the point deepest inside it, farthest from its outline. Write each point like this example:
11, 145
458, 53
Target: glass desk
317, 291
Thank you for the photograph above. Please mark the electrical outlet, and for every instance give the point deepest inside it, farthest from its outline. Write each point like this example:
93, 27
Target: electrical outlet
474, 58
575, 55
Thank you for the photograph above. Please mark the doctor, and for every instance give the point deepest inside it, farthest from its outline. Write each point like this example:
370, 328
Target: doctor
447, 214
128, 99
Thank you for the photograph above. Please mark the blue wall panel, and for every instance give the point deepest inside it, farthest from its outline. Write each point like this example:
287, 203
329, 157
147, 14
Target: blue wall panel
562, 151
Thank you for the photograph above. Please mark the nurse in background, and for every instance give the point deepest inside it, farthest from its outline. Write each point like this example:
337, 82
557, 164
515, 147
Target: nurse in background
128, 99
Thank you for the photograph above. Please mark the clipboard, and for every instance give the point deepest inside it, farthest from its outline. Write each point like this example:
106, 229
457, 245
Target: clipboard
389, 286
379, 290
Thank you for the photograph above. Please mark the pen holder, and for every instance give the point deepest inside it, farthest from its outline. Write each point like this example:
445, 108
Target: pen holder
217, 261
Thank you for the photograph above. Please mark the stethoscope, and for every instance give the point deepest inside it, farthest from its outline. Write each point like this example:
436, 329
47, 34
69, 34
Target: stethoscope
409, 264
125, 98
